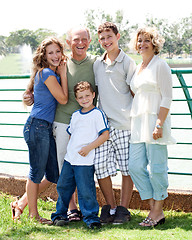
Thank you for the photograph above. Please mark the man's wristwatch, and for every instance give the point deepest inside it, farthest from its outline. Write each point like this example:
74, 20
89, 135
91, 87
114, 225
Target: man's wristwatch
158, 126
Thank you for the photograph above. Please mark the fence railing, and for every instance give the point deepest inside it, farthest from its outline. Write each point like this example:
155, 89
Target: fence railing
181, 84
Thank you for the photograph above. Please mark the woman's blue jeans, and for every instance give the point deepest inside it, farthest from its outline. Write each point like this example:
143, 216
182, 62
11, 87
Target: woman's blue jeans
82, 177
42, 150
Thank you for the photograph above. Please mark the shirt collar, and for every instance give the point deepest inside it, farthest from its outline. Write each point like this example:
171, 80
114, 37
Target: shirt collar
119, 58
78, 62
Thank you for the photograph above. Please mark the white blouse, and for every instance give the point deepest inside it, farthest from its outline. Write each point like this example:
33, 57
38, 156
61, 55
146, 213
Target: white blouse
153, 89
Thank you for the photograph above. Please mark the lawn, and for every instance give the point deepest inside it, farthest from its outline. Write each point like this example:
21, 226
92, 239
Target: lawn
10, 65
177, 226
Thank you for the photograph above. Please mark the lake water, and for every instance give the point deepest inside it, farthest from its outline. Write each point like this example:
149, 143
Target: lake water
21, 170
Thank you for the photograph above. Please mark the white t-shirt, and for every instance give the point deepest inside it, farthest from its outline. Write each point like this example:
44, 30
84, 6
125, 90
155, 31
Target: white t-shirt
153, 89
84, 128
113, 86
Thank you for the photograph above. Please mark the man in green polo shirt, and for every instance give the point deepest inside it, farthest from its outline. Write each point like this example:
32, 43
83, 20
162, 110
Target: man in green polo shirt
79, 68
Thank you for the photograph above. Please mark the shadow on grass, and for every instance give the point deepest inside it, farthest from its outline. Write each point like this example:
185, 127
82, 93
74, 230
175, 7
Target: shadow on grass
37, 231
32, 230
79, 228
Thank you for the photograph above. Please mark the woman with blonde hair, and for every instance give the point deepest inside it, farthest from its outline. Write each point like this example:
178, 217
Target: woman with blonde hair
49, 84
150, 124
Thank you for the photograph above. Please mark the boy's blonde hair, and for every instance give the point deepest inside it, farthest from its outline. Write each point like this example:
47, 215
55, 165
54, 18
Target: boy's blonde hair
82, 86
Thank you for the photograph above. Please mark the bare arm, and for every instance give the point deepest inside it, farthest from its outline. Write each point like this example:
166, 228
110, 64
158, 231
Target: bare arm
100, 140
158, 132
56, 90
60, 92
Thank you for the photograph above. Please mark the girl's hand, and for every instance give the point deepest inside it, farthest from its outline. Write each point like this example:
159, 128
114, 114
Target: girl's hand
62, 68
28, 98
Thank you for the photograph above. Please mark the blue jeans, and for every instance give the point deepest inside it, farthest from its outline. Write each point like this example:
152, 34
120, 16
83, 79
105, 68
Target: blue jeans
148, 170
42, 150
82, 177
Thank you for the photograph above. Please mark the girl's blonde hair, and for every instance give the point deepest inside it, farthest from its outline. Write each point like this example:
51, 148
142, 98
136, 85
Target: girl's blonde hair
156, 39
39, 59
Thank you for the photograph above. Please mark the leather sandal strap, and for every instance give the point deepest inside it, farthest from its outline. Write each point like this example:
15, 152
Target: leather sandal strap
18, 208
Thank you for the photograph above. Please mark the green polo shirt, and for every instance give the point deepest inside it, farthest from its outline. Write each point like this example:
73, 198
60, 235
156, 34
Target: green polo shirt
76, 71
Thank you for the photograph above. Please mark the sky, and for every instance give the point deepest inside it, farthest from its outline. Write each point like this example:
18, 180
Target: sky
61, 15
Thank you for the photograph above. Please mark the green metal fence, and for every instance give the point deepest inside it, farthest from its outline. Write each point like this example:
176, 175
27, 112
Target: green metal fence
181, 84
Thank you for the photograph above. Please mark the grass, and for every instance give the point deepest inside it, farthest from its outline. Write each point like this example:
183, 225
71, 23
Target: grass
11, 64
177, 226
136, 57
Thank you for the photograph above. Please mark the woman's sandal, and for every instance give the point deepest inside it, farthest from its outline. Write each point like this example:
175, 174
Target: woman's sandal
16, 210
148, 222
74, 215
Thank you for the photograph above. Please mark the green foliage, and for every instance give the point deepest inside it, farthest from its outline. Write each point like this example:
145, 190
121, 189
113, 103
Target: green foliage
42, 33
177, 226
3, 46
29, 37
178, 35
22, 37
95, 18
187, 34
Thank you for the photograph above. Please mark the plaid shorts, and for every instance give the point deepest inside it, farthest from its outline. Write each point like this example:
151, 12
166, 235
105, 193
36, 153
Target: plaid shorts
113, 151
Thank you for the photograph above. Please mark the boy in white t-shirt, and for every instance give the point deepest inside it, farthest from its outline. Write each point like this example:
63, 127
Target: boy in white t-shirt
88, 129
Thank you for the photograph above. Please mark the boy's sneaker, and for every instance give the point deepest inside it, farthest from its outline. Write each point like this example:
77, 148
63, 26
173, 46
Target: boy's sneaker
122, 215
60, 221
105, 216
95, 225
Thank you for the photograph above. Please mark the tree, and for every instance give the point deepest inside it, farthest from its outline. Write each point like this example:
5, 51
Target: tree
96, 17
164, 29
186, 25
92, 19
3, 46
42, 33
21, 37
29, 37
124, 29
